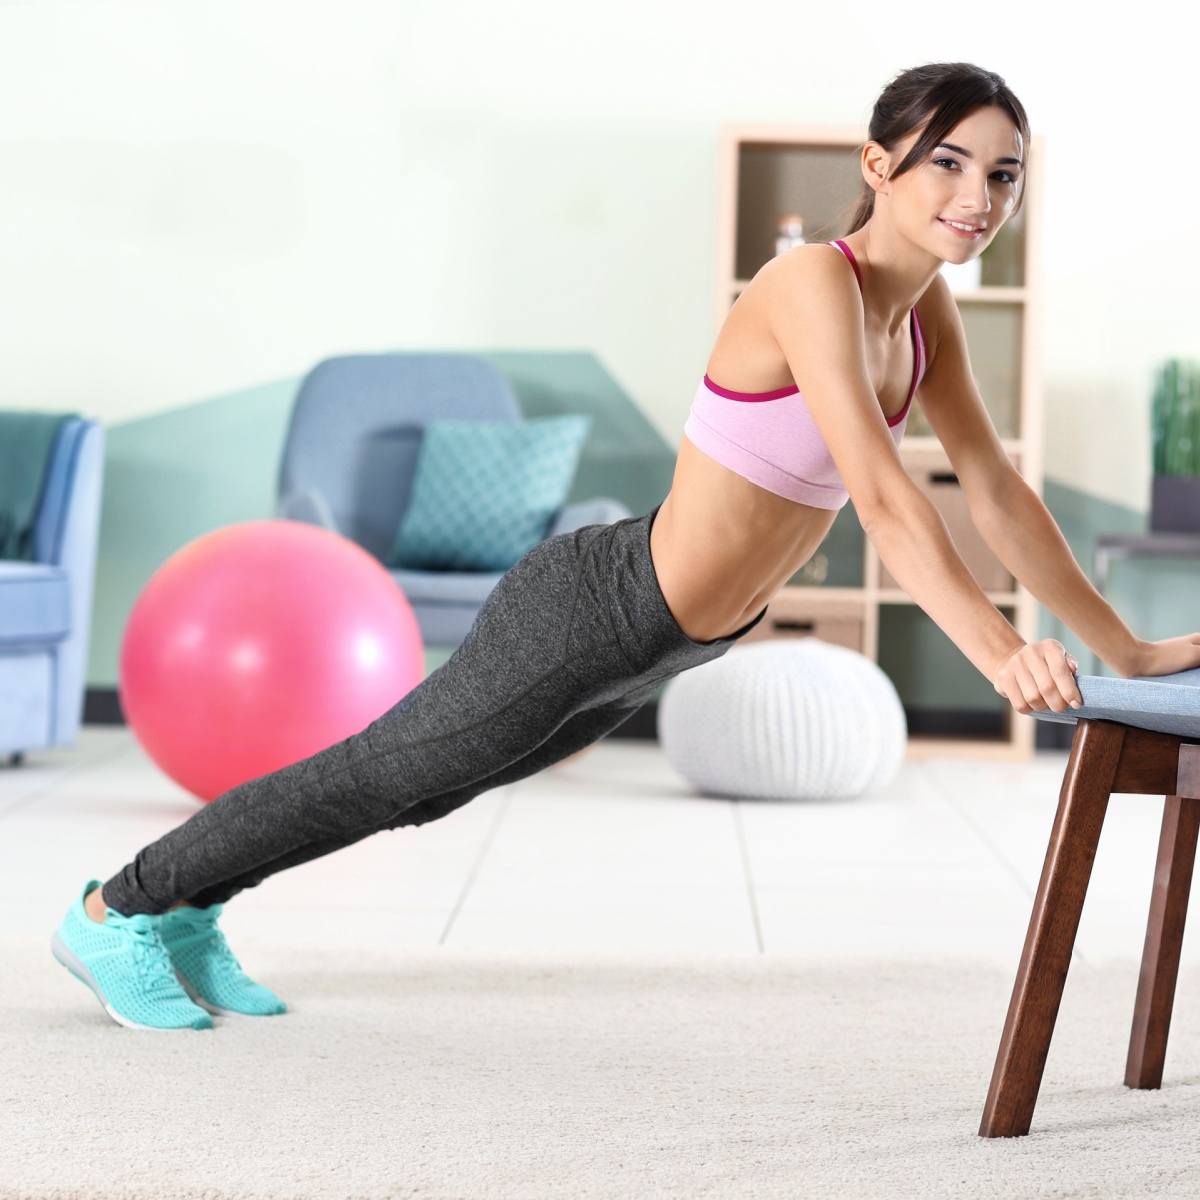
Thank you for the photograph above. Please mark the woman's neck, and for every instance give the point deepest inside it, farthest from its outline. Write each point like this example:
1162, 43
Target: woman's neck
896, 273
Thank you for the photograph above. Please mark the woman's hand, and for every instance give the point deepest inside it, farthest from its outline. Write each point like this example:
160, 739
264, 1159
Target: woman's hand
1167, 657
1040, 676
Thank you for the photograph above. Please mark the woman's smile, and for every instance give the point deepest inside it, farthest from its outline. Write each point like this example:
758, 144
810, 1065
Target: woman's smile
964, 229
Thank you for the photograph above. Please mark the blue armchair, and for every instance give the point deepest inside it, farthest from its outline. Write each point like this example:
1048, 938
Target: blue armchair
46, 605
351, 452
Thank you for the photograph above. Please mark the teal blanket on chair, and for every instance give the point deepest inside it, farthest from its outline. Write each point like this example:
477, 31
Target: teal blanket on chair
26, 439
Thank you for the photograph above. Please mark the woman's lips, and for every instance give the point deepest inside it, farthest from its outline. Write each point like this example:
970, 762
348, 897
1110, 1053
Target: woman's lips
970, 231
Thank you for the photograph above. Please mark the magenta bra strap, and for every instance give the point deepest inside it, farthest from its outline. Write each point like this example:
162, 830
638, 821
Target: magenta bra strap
780, 393
749, 397
850, 258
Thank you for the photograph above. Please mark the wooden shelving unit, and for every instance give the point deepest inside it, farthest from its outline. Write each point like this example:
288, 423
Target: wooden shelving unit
767, 171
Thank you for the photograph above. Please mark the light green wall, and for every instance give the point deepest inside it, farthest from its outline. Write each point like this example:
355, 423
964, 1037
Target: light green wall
1157, 599
170, 478
198, 195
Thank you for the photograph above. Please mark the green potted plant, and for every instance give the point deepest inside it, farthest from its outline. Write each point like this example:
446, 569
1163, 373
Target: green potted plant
1175, 492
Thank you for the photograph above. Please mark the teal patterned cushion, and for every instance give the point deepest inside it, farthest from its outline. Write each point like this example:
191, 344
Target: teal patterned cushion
485, 492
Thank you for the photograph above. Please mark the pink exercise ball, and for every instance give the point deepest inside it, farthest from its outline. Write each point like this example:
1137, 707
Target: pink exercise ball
258, 645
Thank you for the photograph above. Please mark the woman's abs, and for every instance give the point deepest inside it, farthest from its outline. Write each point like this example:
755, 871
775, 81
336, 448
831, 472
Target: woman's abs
722, 546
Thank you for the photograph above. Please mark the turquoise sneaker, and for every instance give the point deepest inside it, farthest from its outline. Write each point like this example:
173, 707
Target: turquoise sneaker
207, 968
126, 964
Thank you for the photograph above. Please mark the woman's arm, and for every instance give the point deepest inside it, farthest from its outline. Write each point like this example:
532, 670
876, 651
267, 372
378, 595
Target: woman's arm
816, 317
1011, 516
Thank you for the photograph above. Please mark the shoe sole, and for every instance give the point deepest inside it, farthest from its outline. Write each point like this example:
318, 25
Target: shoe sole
69, 959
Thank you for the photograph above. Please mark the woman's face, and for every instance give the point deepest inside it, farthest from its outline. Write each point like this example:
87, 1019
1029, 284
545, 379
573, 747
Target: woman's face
954, 202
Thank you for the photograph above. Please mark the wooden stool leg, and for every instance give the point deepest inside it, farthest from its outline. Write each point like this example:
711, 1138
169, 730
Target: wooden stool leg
1021, 1058
1164, 940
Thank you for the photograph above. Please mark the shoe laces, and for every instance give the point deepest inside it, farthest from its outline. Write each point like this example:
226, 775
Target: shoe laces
151, 960
217, 951
219, 947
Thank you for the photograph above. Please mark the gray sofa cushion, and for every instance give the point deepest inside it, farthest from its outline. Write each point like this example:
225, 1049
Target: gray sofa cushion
35, 604
447, 587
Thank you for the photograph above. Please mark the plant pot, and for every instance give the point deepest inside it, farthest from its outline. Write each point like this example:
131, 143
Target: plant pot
1175, 504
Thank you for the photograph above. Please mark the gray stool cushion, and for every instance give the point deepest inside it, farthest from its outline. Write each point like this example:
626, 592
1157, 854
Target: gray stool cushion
1163, 703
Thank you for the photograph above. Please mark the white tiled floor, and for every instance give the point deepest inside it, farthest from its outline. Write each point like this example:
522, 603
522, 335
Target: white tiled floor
613, 853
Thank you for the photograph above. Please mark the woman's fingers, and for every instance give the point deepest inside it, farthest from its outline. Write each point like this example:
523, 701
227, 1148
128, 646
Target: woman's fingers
1041, 693
1048, 695
1021, 691
1054, 676
1170, 655
1040, 677
1063, 669
1008, 685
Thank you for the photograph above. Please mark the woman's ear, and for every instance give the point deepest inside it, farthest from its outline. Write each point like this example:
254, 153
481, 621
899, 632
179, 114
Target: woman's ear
876, 162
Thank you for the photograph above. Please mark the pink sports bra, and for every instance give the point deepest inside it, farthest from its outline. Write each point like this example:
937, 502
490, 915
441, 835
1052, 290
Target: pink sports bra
771, 439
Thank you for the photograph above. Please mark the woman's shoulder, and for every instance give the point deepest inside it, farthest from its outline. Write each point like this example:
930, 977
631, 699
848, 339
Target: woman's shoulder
938, 315
935, 300
813, 259
817, 270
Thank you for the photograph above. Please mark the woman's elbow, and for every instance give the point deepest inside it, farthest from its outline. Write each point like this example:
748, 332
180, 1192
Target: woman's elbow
881, 513
874, 518
875, 504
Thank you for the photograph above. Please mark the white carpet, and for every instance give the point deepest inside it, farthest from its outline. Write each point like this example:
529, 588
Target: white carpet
440, 1075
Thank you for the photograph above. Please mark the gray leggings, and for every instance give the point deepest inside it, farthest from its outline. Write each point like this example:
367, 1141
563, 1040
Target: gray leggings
572, 640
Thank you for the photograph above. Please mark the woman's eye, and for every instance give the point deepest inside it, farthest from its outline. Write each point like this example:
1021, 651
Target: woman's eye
948, 163
1004, 177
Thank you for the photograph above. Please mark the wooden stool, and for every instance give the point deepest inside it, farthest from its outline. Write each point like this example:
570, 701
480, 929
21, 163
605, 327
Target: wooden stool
1107, 755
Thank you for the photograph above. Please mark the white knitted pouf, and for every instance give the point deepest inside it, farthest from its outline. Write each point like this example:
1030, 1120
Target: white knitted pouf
787, 720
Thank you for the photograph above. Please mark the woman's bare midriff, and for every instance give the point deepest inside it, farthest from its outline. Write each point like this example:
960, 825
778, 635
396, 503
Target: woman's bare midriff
722, 546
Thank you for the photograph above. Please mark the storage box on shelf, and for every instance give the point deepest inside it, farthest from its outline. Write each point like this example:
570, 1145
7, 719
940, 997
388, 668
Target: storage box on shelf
769, 171
832, 614
930, 469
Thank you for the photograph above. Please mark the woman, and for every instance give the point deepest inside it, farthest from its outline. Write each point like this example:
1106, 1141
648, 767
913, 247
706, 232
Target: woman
803, 405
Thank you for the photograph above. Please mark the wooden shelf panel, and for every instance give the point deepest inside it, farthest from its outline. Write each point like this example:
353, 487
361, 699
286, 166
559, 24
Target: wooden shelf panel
999, 599
818, 594
982, 295
988, 749
992, 295
767, 170
924, 444
800, 135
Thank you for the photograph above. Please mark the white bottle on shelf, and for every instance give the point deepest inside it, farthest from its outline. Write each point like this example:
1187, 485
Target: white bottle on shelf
790, 232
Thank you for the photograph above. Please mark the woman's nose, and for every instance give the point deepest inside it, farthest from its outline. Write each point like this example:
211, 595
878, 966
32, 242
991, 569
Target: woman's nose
973, 193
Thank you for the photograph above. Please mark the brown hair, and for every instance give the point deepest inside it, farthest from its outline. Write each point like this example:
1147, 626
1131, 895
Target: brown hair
937, 96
